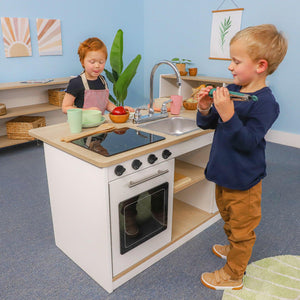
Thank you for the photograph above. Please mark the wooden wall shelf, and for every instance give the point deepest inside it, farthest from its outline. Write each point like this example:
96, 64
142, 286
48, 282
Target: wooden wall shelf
29, 109
26, 99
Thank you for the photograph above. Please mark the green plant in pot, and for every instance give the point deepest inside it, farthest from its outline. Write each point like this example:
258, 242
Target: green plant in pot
119, 78
181, 64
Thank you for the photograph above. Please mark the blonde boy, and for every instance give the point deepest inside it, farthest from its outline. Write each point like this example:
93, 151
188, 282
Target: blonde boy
237, 159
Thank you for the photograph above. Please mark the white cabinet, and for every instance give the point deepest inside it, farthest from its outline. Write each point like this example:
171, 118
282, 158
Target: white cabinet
28, 99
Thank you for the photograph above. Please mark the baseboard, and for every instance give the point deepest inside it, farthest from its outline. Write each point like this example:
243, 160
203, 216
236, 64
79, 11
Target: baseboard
283, 138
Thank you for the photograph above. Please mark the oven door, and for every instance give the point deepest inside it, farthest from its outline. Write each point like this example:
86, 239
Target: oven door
141, 214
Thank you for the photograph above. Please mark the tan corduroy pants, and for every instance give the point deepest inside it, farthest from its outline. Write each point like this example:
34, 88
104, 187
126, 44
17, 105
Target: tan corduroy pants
241, 212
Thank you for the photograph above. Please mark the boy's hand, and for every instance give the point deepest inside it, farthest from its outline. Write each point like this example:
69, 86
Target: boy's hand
204, 101
223, 104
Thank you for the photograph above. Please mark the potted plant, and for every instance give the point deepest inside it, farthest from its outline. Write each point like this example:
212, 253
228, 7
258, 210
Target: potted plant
119, 78
181, 64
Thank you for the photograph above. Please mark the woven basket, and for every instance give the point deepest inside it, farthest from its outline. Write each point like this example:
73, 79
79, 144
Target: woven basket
17, 129
190, 105
2, 109
56, 96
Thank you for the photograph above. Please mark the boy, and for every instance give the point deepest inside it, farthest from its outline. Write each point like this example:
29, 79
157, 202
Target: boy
237, 159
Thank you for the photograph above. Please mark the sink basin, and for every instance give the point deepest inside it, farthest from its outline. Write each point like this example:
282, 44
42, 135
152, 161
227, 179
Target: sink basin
172, 126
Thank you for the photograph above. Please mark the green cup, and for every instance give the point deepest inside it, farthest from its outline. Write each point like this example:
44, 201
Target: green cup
75, 120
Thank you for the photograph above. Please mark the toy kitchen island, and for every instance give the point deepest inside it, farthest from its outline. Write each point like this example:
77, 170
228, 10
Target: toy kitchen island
124, 199
92, 192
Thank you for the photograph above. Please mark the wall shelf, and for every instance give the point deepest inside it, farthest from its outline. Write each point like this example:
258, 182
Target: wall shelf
28, 99
29, 109
168, 84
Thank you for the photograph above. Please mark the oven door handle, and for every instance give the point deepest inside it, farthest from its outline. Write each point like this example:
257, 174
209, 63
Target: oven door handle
159, 173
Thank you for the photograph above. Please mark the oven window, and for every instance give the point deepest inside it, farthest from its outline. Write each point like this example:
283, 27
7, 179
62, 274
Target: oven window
143, 216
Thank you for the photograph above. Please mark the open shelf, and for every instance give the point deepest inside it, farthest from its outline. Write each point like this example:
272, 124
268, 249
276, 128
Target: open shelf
29, 84
205, 79
29, 109
186, 218
186, 175
26, 98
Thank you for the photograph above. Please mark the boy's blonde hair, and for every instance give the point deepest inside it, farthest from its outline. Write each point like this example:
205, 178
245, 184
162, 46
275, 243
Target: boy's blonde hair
91, 44
264, 42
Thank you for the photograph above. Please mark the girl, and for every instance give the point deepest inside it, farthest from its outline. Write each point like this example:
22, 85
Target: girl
89, 90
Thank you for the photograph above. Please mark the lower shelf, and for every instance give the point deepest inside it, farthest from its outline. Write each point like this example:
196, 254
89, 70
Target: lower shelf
186, 218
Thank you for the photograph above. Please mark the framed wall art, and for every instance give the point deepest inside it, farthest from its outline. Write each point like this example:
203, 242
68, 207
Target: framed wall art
49, 36
16, 37
225, 24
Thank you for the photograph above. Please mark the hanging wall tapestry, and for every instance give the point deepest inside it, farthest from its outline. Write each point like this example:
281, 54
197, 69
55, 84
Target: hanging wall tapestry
49, 36
16, 37
225, 24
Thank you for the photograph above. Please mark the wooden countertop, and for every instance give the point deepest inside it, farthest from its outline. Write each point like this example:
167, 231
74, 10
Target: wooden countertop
52, 135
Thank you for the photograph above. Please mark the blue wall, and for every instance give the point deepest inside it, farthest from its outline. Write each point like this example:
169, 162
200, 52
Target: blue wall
175, 28
79, 20
157, 29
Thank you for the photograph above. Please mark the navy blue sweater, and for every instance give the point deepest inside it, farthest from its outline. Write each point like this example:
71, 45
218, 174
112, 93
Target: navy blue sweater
237, 157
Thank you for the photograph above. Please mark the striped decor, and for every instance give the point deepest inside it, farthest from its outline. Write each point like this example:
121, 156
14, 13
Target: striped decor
270, 278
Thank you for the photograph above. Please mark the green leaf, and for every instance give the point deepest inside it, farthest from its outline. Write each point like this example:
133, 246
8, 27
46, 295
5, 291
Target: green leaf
109, 76
116, 53
112, 99
121, 86
115, 75
224, 29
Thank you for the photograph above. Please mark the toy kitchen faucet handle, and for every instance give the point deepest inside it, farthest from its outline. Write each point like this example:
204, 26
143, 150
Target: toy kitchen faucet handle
237, 96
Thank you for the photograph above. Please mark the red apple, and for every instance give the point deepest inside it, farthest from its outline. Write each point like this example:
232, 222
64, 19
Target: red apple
119, 110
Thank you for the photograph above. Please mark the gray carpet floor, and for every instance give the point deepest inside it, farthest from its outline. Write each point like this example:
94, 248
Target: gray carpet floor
32, 267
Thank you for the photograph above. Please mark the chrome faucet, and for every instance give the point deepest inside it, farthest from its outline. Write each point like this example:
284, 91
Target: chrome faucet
151, 115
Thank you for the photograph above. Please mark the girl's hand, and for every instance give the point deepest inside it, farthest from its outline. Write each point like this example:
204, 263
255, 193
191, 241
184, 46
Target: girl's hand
223, 104
204, 101
130, 109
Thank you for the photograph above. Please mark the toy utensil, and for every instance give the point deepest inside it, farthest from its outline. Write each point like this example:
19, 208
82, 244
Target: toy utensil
237, 96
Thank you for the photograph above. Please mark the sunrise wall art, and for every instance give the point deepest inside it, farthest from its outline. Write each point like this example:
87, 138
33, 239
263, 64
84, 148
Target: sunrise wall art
49, 36
16, 37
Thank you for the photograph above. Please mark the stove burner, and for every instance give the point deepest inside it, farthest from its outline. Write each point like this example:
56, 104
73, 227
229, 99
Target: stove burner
117, 141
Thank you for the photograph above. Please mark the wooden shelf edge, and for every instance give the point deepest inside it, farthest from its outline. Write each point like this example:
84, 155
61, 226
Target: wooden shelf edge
200, 78
29, 109
186, 175
19, 85
6, 142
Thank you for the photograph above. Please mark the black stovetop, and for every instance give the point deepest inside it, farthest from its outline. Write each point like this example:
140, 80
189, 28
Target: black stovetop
117, 141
